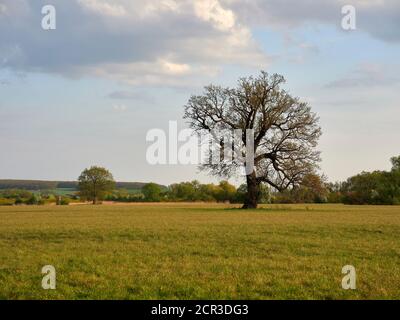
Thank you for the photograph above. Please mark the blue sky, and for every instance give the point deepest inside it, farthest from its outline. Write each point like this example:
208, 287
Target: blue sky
88, 92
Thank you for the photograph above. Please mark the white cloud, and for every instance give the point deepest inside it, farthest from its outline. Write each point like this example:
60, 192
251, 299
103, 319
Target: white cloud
159, 42
119, 107
167, 42
103, 7
368, 75
158, 73
3, 8
379, 18
212, 11
174, 68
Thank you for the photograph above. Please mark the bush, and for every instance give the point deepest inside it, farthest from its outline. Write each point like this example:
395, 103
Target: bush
195, 191
15, 194
152, 192
35, 200
378, 187
6, 202
123, 195
62, 201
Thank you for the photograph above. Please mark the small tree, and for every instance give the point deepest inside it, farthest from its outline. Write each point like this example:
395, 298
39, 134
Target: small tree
312, 189
32, 200
225, 192
95, 183
152, 192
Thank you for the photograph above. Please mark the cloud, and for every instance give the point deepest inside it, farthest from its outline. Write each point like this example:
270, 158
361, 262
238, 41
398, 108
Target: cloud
3, 8
167, 42
153, 42
298, 50
368, 75
212, 11
379, 18
131, 95
103, 7
119, 107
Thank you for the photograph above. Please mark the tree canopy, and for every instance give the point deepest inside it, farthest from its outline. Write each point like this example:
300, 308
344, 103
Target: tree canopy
285, 131
152, 192
95, 183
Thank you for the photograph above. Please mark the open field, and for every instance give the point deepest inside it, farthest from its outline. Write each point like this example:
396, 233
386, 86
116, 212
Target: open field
199, 251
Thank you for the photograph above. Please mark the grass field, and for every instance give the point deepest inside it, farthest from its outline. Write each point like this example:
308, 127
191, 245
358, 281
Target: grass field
194, 251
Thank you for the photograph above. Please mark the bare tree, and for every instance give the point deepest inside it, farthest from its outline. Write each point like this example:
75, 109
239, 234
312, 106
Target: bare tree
285, 129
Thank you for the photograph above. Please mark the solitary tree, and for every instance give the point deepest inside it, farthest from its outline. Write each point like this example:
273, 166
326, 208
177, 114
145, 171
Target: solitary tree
285, 130
95, 183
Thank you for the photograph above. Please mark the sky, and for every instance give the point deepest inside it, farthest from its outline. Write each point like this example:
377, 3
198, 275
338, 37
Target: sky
87, 92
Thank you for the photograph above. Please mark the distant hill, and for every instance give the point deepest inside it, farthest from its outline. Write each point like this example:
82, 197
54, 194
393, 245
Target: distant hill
34, 185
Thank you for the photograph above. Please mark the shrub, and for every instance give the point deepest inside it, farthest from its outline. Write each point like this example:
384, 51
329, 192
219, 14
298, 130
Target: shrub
152, 192
6, 202
62, 201
19, 201
32, 200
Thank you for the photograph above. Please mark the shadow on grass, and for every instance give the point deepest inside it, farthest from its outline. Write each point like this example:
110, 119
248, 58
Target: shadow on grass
272, 209
239, 209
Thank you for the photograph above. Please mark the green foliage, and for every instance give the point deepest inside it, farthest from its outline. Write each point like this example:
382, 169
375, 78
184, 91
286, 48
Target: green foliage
124, 195
152, 192
15, 194
62, 201
312, 189
335, 194
27, 184
195, 191
95, 184
6, 202
264, 194
17, 197
63, 188
186, 191
18, 201
225, 192
395, 163
378, 187
34, 200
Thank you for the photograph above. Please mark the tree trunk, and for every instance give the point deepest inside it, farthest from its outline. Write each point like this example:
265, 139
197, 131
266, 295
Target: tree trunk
94, 193
253, 192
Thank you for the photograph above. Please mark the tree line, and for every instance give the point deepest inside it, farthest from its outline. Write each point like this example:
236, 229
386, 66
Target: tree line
40, 185
378, 187
366, 188
96, 184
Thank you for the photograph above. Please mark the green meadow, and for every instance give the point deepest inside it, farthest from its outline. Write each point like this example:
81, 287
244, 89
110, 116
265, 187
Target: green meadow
199, 251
